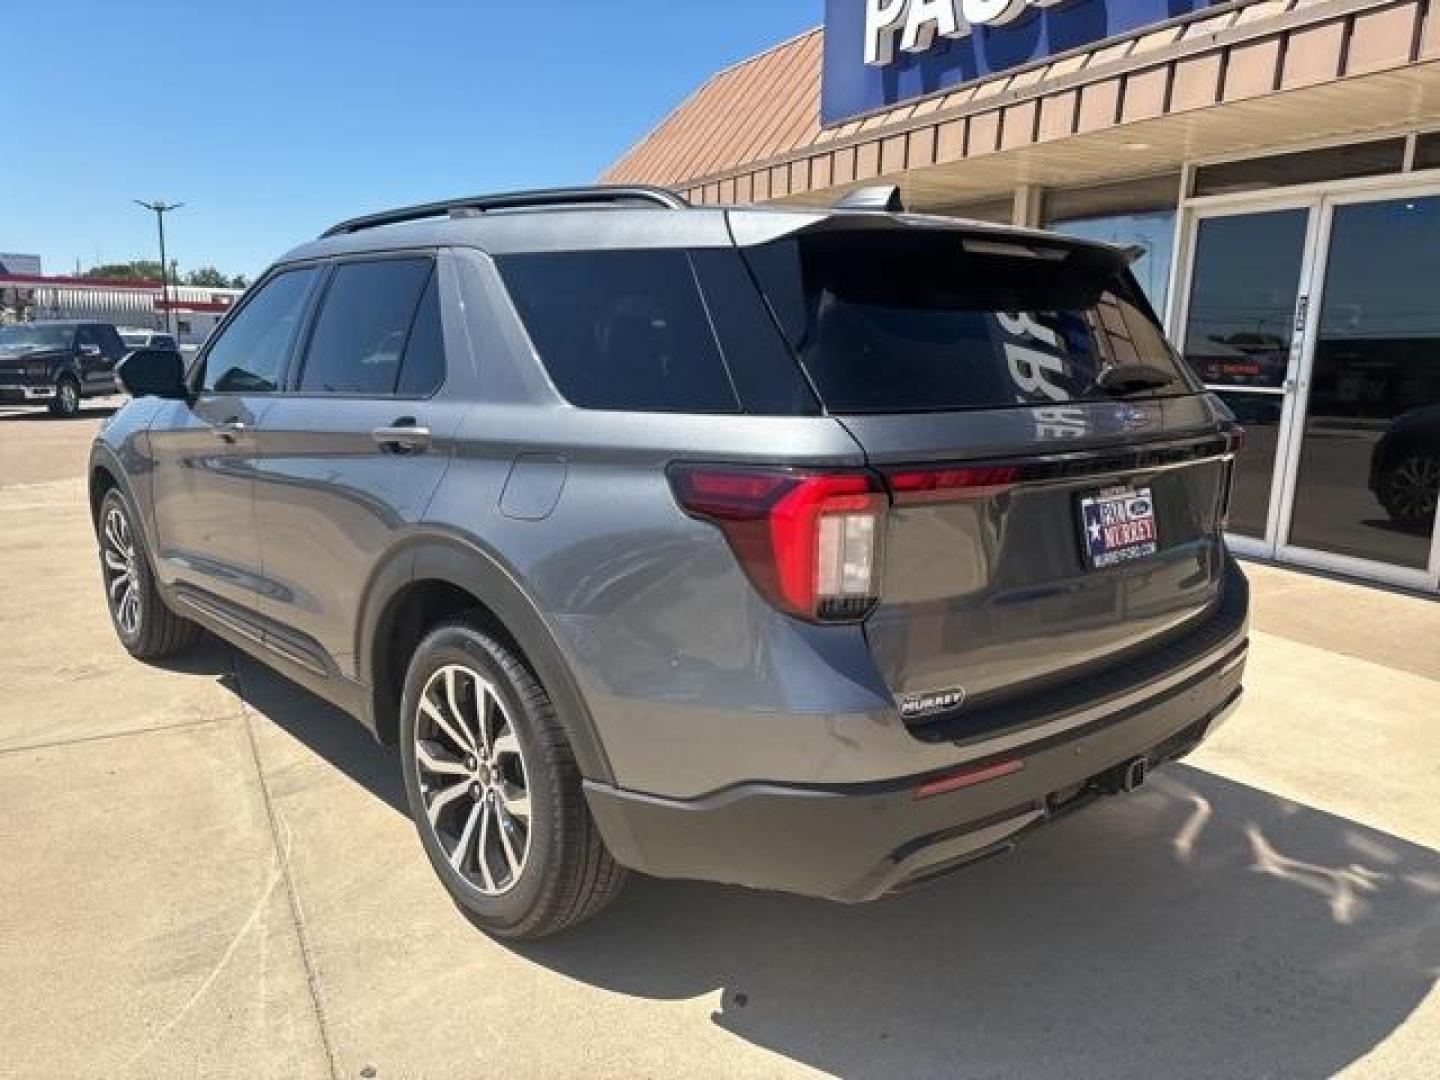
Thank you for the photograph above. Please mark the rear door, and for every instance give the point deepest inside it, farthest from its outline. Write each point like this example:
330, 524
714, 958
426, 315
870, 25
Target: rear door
1058, 480
350, 455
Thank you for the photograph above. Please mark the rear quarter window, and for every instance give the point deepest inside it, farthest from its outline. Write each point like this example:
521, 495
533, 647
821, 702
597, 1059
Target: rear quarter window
623, 330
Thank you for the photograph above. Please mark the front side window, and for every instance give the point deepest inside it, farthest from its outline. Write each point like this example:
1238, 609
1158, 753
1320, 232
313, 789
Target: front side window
934, 321
364, 323
249, 356
622, 330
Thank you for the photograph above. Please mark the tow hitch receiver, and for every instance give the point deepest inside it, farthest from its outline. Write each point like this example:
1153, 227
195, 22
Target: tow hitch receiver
1123, 778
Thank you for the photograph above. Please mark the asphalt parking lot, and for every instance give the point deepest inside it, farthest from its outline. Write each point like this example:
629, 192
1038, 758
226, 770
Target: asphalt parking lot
205, 871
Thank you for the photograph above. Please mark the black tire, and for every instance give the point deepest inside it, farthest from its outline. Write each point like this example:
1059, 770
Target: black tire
1410, 488
149, 630
66, 402
566, 874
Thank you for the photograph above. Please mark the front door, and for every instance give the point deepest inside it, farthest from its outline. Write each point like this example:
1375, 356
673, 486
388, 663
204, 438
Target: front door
98, 349
1243, 334
1312, 320
203, 474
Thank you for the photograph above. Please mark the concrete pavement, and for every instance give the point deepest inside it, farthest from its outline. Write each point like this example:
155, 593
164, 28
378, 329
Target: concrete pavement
205, 871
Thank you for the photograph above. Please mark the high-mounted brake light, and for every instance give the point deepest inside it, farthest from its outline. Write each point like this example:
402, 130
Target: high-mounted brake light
810, 541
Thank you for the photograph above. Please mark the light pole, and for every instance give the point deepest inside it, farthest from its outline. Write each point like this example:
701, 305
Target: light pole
160, 208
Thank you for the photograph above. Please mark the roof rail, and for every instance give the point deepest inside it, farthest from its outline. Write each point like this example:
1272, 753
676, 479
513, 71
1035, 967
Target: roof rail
514, 200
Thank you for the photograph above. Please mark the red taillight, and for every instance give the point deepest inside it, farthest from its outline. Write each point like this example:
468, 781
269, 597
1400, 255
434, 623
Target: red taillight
942, 485
810, 541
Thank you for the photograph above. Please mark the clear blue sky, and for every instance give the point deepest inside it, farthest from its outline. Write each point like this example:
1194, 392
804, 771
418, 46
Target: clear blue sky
272, 119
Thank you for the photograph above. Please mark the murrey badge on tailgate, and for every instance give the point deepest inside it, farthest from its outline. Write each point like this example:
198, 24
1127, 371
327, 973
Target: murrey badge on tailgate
912, 705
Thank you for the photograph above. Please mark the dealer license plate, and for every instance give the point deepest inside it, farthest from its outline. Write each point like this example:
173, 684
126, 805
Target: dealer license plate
1119, 525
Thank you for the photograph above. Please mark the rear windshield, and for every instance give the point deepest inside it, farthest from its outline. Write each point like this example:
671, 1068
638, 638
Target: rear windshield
910, 321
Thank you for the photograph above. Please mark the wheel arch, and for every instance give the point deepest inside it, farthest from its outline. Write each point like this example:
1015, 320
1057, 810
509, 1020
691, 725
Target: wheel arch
437, 576
106, 472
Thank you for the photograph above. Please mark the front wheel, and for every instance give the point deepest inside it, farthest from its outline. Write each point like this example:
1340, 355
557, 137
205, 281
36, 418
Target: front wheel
494, 789
146, 627
66, 402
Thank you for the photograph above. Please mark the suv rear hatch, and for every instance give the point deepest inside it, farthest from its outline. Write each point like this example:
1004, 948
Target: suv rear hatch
1058, 480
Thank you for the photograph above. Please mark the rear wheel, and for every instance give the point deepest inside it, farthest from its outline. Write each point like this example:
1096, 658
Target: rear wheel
66, 402
494, 789
146, 627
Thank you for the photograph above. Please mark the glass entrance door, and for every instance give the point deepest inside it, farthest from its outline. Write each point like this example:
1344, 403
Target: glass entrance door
1243, 335
1366, 471
1318, 323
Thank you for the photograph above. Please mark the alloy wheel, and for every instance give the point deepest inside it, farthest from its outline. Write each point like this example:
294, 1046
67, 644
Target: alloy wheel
1415, 486
122, 575
473, 780
69, 397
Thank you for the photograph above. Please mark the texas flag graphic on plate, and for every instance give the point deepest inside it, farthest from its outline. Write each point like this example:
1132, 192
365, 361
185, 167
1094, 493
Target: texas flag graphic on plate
1119, 525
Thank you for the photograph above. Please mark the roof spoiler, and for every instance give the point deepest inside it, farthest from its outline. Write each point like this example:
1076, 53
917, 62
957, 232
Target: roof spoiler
884, 198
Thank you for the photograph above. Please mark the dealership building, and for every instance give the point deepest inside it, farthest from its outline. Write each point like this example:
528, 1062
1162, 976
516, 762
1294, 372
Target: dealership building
1275, 162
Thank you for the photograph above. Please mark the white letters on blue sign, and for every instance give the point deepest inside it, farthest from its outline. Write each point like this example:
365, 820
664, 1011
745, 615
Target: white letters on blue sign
915, 24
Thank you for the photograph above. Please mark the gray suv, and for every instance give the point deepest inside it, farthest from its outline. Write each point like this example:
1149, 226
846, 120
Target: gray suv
824, 551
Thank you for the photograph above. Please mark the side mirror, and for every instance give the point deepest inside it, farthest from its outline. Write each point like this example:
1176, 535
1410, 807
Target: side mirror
91, 351
154, 373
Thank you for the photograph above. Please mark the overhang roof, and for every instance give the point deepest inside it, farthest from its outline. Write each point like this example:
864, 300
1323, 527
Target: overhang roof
1238, 79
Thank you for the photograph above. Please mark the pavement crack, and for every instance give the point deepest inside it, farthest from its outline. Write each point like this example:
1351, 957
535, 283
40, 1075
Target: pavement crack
280, 836
179, 725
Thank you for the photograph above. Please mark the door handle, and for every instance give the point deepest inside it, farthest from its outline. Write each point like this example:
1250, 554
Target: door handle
402, 438
230, 430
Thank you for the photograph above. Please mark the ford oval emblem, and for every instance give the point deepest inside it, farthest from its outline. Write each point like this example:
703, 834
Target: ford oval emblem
1130, 417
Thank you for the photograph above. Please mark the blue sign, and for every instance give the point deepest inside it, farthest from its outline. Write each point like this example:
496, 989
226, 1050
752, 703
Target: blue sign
879, 53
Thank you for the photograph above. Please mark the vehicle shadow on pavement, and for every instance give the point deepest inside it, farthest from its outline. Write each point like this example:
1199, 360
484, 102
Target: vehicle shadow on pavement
1199, 927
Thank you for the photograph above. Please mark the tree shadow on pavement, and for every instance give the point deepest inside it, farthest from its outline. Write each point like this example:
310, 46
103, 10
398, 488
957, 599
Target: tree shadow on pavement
1199, 927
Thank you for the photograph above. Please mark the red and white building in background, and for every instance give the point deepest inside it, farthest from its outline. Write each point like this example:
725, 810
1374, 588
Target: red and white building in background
195, 310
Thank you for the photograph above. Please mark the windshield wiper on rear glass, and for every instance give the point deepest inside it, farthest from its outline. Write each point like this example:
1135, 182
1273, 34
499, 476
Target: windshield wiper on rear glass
1122, 379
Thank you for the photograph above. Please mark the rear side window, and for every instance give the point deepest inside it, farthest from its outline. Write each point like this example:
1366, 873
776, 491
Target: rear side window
363, 326
621, 329
912, 321
249, 355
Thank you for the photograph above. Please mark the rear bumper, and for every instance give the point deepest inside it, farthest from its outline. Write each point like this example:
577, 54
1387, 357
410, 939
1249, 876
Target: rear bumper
860, 841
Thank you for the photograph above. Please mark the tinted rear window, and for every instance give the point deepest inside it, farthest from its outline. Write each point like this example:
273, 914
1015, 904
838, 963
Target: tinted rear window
621, 329
899, 321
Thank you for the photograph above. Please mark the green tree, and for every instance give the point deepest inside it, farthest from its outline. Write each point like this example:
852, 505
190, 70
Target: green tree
134, 270
207, 277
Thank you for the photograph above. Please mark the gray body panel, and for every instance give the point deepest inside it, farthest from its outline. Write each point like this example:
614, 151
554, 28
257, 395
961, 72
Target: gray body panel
680, 679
